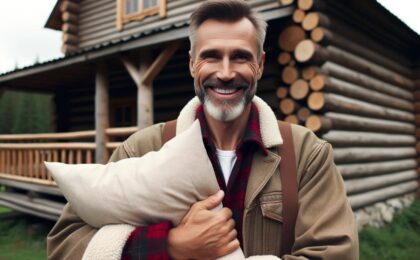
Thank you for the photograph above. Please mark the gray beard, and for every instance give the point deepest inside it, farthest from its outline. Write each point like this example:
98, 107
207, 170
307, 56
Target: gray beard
224, 111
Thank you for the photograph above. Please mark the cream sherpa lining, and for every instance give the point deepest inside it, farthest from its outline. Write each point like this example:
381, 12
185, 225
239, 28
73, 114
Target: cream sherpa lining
109, 241
270, 133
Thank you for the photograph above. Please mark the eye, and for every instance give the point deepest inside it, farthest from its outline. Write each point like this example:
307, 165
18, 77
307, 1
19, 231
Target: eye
209, 56
241, 56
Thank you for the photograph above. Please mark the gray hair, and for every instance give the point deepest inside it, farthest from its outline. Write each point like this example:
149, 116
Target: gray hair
227, 10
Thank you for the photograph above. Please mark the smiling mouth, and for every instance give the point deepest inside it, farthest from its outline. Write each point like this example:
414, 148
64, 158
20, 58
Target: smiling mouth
225, 91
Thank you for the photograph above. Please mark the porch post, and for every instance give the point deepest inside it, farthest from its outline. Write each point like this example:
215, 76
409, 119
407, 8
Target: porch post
101, 113
143, 76
144, 94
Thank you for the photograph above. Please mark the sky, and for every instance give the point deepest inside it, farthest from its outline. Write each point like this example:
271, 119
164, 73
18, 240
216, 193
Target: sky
23, 38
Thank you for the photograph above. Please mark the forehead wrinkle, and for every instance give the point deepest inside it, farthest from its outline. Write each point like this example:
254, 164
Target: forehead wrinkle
240, 33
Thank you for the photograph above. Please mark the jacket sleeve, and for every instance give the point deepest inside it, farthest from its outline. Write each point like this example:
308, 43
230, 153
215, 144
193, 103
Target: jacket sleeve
325, 226
71, 236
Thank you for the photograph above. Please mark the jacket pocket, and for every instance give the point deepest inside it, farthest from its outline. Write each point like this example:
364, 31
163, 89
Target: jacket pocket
272, 206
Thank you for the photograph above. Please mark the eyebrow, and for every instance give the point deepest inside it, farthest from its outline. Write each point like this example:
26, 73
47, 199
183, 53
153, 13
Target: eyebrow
209, 52
215, 52
247, 54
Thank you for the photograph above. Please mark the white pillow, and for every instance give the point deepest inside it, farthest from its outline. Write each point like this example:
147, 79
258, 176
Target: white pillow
139, 191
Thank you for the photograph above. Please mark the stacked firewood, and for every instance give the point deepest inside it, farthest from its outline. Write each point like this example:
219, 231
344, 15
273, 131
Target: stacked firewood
353, 96
69, 16
297, 73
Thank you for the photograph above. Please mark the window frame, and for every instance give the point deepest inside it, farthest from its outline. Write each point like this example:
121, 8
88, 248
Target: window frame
123, 18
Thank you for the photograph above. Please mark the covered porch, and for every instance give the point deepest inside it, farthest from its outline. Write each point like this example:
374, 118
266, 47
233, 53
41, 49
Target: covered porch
99, 102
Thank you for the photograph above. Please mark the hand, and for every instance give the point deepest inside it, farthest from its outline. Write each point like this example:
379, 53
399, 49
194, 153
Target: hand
202, 233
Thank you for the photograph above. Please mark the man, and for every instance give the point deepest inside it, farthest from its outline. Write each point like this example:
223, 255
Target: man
241, 136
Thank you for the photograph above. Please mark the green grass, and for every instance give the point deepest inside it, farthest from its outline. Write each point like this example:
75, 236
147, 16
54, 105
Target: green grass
21, 239
4, 210
400, 240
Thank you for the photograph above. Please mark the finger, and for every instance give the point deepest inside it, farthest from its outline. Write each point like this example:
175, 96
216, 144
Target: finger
229, 248
231, 224
213, 201
232, 235
226, 213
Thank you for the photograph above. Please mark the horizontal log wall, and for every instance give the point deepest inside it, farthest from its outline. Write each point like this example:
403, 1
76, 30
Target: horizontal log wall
416, 75
97, 19
358, 98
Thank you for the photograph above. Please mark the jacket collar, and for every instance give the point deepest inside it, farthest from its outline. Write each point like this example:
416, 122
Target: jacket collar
270, 133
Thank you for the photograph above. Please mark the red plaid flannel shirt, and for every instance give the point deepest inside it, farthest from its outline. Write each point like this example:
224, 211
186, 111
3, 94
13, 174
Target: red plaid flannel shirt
149, 242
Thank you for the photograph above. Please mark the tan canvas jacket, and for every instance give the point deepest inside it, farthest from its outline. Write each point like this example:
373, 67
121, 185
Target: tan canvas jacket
325, 227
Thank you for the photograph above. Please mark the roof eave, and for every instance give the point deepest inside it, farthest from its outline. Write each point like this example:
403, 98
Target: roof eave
54, 20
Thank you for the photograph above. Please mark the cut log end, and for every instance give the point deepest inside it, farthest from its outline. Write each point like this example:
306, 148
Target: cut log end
316, 101
282, 92
318, 82
69, 6
287, 106
305, 4
67, 48
303, 114
305, 50
314, 123
298, 15
313, 20
290, 37
321, 35
308, 72
289, 75
284, 58
299, 89
69, 18
69, 38
69, 28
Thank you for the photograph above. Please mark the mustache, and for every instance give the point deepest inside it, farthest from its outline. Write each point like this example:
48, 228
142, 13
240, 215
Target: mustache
234, 83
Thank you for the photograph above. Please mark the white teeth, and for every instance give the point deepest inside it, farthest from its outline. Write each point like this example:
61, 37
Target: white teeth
224, 91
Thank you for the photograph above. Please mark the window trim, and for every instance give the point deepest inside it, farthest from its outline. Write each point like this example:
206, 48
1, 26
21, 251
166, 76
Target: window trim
123, 18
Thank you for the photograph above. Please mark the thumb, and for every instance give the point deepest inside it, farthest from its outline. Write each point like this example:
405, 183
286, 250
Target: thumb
213, 201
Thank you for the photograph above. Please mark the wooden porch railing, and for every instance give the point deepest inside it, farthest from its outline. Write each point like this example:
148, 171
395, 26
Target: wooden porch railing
22, 155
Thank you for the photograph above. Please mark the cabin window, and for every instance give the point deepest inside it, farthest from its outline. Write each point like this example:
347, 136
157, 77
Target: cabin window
132, 10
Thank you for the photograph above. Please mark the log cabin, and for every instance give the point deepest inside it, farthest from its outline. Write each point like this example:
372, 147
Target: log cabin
348, 70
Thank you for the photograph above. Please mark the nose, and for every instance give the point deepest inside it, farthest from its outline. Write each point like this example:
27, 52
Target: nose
225, 71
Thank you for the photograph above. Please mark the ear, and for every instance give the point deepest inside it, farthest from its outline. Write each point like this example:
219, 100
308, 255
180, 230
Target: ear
191, 64
261, 65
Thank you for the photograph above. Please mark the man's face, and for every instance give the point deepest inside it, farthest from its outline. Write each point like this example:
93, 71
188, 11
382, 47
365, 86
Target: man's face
225, 67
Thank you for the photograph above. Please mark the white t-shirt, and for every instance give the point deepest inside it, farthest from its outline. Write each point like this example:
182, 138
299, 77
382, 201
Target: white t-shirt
227, 160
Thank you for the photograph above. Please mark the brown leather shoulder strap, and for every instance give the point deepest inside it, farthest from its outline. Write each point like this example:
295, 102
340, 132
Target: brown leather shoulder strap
169, 131
288, 177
